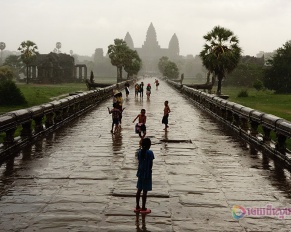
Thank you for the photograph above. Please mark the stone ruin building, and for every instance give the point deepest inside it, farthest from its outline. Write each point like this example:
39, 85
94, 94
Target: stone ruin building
56, 68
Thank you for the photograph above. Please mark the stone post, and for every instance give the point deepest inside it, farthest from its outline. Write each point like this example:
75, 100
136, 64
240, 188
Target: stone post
281, 143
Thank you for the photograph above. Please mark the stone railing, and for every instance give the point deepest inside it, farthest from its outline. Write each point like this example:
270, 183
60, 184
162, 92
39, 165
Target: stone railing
246, 122
40, 120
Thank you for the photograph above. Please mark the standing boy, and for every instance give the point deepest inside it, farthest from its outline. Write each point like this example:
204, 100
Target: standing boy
166, 115
141, 89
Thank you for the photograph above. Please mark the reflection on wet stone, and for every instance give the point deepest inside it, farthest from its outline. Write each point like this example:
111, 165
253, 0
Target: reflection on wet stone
83, 178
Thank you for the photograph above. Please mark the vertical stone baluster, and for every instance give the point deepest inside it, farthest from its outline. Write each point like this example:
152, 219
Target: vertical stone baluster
254, 128
38, 124
26, 129
267, 135
9, 138
49, 122
236, 120
244, 124
281, 143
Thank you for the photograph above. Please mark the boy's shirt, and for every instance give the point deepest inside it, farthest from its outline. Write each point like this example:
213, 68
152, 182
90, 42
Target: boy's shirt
115, 113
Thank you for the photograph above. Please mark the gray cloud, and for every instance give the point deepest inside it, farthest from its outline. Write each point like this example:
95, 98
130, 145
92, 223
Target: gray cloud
83, 26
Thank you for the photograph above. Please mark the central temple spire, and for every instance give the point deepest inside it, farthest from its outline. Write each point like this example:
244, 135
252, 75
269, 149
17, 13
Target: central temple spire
151, 38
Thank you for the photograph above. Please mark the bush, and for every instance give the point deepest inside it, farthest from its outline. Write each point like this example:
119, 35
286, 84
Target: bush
10, 95
258, 85
6, 73
243, 93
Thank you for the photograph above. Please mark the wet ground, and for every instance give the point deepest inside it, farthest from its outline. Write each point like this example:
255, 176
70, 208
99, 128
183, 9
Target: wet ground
83, 178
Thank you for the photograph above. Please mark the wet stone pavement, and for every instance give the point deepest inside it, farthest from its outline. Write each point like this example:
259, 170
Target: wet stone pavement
83, 178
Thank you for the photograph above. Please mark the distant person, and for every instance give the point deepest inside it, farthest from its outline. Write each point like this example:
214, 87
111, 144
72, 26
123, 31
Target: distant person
126, 89
144, 173
182, 78
140, 127
136, 89
92, 78
141, 89
157, 83
166, 115
149, 90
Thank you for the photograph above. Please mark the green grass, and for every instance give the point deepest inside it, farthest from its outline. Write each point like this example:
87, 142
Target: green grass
37, 94
265, 101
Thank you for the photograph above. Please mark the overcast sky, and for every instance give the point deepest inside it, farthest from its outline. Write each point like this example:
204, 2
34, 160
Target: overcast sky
84, 25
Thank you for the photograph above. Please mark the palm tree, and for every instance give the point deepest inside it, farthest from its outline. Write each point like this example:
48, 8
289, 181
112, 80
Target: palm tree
221, 53
2, 47
28, 51
58, 46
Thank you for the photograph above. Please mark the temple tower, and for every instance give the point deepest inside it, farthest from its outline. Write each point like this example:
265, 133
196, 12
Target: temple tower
151, 51
129, 40
174, 49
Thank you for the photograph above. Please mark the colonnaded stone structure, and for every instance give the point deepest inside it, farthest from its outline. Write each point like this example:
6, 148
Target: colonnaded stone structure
151, 51
56, 68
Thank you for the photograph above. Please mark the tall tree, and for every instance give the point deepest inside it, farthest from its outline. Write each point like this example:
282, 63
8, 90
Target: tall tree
171, 70
277, 74
221, 53
133, 63
117, 53
28, 51
248, 70
162, 64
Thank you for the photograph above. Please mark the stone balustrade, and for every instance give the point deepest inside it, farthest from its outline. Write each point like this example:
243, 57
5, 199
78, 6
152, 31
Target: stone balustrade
42, 119
251, 125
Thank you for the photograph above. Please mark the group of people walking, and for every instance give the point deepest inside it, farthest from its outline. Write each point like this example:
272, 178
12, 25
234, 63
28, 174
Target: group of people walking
145, 156
139, 89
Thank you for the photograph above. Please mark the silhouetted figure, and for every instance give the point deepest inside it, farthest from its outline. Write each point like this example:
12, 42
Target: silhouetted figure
92, 78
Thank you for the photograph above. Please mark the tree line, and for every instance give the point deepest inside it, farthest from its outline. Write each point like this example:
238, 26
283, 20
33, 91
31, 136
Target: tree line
221, 56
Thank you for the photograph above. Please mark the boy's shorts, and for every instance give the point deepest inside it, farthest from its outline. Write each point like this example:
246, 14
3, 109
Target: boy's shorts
115, 121
140, 127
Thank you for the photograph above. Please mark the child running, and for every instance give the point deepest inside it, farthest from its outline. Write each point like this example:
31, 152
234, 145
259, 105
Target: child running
144, 174
115, 117
166, 115
119, 102
140, 127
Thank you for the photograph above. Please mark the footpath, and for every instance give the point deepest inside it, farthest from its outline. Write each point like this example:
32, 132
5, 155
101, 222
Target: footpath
83, 178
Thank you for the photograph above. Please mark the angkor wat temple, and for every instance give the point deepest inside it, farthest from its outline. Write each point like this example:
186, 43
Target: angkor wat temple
151, 51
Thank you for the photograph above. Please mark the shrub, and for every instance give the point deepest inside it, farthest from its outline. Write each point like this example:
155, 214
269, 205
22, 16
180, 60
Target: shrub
243, 93
10, 95
6, 73
258, 85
